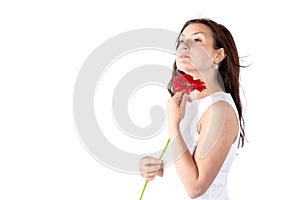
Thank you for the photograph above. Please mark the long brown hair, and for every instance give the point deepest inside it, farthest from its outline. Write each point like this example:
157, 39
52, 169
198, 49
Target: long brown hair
229, 68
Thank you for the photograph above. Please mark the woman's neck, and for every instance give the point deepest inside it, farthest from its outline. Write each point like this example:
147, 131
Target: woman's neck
211, 82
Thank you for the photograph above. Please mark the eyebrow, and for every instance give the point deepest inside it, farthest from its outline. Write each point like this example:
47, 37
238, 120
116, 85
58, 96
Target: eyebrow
194, 33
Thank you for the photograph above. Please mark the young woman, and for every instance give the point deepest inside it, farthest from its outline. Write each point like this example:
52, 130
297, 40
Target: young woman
206, 128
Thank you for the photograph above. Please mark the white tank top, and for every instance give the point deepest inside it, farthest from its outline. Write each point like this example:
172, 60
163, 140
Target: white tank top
188, 128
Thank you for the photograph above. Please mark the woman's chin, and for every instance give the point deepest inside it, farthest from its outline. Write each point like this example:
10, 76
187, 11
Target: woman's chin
185, 67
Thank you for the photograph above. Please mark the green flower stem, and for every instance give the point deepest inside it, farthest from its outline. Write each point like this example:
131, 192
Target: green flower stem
160, 157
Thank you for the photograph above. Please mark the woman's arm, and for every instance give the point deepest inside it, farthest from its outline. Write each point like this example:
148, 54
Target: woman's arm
218, 128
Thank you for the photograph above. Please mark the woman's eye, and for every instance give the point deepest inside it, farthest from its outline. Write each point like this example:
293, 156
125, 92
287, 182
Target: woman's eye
197, 40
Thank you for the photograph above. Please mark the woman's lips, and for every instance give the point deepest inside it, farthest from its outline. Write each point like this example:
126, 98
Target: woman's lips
184, 56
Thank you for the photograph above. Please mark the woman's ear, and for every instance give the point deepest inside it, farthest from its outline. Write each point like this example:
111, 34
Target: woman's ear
221, 54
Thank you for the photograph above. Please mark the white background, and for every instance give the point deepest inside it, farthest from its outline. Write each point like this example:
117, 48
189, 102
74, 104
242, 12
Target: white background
42, 48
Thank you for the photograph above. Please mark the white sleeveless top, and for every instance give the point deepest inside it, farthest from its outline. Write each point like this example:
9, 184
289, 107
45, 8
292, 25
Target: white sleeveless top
188, 128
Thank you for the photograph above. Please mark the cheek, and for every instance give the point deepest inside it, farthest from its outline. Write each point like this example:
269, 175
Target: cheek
201, 59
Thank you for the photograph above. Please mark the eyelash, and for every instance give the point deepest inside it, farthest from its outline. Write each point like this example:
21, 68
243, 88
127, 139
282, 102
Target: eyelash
195, 40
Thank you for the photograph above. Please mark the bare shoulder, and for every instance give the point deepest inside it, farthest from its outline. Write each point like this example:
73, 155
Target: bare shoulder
220, 117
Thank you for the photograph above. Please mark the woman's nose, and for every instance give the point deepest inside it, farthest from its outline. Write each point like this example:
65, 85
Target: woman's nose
184, 45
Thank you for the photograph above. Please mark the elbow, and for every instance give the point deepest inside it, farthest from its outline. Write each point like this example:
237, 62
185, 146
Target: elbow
193, 194
197, 189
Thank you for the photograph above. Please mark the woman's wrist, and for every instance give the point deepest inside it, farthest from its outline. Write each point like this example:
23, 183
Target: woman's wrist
173, 131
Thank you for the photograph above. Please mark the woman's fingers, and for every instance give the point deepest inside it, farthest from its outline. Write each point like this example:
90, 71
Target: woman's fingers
184, 99
178, 97
181, 98
160, 172
150, 164
151, 175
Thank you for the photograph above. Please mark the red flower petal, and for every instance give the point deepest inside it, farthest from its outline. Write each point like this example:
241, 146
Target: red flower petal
186, 83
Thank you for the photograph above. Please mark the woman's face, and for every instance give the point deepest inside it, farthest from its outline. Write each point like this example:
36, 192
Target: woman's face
195, 52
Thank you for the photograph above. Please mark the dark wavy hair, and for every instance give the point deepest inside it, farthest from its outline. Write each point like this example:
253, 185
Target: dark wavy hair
229, 68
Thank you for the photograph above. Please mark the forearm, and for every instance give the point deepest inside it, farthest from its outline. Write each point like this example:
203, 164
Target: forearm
185, 165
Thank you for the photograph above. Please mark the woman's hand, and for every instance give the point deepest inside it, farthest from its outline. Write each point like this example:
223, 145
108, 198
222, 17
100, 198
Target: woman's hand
175, 110
150, 167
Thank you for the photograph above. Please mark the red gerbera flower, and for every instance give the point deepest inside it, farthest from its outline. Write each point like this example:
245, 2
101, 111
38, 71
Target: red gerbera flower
186, 83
